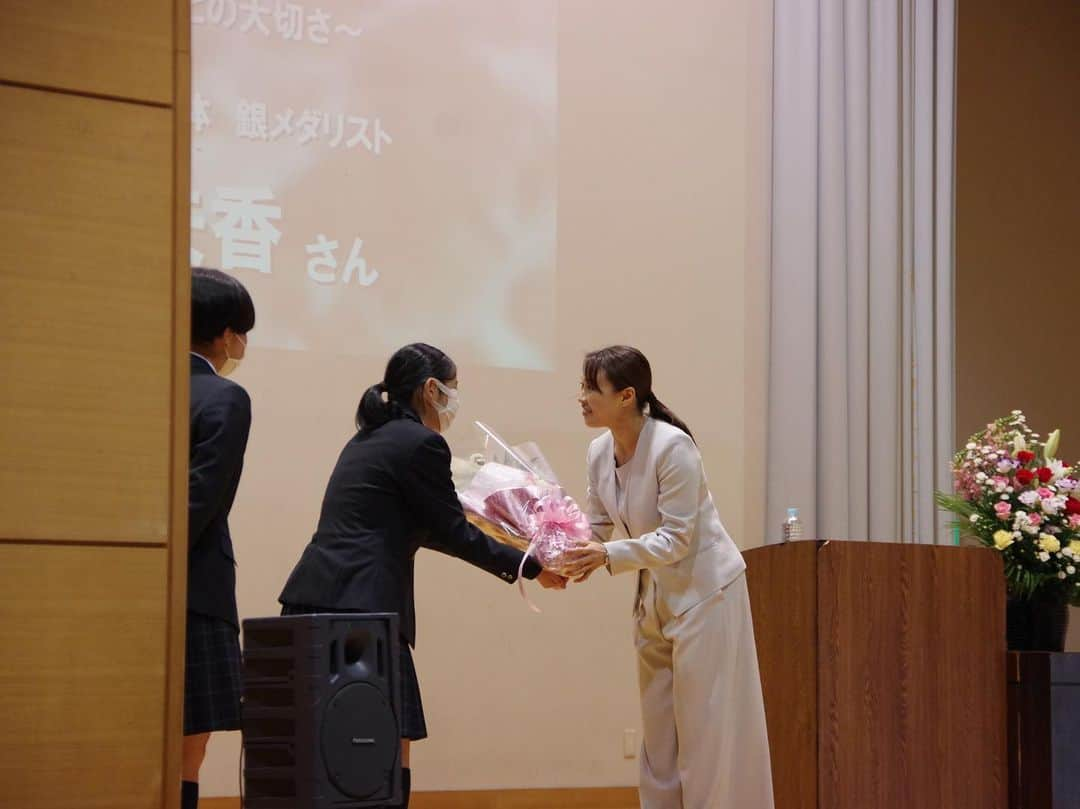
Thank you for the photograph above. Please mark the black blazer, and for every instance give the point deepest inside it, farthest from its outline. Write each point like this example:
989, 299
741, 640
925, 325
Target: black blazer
220, 420
389, 495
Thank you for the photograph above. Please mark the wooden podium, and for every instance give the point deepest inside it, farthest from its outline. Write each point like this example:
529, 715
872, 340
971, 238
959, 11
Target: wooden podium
883, 668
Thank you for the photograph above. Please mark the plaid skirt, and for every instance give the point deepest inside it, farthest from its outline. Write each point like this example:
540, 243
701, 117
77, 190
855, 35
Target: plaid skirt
413, 726
212, 675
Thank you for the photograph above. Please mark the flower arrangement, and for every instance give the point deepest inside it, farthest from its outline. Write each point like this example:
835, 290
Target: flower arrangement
1013, 494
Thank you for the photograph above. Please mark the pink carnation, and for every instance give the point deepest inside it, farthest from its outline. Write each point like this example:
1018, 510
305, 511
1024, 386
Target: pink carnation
965, 485
1045, 492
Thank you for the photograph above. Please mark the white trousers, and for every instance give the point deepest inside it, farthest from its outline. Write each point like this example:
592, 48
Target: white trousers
704, 744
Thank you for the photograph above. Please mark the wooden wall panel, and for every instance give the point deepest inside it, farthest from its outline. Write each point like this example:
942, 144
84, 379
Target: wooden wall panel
94, 307
181, 327
86, 318
82, 630
892, 622
90, 46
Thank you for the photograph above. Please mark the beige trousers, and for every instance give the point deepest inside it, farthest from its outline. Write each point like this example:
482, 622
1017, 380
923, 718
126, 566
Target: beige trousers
704, 744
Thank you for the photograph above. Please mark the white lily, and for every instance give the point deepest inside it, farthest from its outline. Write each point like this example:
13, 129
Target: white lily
1058, 468
1051, 447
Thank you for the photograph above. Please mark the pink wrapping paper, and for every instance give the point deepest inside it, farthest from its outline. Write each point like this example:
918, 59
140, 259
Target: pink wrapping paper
531, 513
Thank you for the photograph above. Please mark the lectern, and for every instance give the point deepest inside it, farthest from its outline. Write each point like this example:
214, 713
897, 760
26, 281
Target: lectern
883, 669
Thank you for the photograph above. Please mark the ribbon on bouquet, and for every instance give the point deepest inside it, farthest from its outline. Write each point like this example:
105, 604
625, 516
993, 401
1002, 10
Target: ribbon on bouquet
556, 525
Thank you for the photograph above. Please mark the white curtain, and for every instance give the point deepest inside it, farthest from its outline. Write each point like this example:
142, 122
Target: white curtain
861, 341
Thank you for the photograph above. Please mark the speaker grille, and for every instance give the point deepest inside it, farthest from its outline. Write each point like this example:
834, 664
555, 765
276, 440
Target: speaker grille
322, 701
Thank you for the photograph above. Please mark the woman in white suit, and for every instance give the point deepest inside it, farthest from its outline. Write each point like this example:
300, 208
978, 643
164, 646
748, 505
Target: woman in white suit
704, 743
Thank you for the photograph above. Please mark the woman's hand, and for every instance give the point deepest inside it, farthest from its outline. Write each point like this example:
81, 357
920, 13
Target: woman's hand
583, 559
551, 581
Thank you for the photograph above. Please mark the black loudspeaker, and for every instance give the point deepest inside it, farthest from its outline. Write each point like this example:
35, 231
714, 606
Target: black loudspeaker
322, 707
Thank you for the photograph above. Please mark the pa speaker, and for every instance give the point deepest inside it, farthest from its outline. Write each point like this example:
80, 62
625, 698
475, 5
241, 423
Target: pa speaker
322, 707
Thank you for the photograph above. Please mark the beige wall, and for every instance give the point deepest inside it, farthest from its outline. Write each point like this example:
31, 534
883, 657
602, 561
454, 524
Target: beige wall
1018, 217
662, 231
93, 401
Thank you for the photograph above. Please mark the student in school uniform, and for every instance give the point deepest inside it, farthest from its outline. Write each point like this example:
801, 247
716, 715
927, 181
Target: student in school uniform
222, 314
389, 495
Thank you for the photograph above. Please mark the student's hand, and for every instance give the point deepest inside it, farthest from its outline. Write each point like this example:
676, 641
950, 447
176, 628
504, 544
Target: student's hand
551, 581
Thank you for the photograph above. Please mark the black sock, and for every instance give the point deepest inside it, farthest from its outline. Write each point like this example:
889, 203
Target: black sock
406, 786
189, 794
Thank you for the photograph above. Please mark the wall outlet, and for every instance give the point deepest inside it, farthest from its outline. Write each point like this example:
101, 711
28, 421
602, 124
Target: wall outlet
629, 743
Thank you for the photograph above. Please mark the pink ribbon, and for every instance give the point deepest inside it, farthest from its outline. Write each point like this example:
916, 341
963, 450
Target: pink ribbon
555, 525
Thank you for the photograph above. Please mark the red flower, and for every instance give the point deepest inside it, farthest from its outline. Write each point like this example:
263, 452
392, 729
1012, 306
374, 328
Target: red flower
1072, 506
1025, 456
1024, 476
1044, 474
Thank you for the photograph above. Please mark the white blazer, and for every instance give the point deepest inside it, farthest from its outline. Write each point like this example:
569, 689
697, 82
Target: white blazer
672, 529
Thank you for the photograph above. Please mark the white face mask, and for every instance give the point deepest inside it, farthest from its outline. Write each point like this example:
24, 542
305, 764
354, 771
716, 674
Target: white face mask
231, 363
449, 410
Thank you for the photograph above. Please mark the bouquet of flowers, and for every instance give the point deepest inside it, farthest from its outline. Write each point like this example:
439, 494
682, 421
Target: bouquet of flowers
1014, 495
514, 496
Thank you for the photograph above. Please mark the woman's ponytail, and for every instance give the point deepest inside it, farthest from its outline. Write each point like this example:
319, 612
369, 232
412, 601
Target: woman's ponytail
661, 412
374, 409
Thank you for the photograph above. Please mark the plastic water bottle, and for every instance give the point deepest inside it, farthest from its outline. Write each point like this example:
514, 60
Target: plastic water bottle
792, 529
